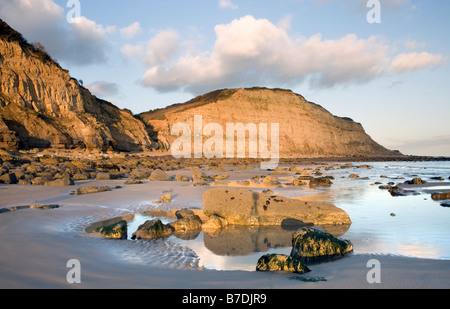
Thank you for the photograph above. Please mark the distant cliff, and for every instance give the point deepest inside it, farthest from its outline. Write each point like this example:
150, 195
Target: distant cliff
305, 129
42, 106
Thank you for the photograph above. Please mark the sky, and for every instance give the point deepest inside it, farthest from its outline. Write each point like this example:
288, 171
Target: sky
383, 63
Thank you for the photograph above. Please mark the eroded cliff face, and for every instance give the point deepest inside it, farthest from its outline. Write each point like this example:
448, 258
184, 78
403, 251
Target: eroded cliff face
305, 129
42, 106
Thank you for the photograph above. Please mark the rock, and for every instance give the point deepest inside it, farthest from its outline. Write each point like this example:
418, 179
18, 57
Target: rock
281, 262
385, 187
181, 178
244, 207
270, 180
91, 189
159, 175
445, 204
40, 181
353, 176
103, 176
164, 199
133, 182
152, 229
440, 196
186, 224
320, 182
312, 245
297, 182
117, 230
215, 222
183, 213
8, 179
415, 181
396, 191
60, 182
437, 178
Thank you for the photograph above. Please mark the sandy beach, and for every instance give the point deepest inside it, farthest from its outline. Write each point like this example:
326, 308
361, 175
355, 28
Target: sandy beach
37, 244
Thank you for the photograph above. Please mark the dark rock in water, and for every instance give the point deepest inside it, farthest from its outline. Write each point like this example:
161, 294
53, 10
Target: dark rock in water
310, 245
385, 187
281, 262
440, 196
152, 229
117, 230
437, 178
416, 181
445, 204
320, 182
396, 191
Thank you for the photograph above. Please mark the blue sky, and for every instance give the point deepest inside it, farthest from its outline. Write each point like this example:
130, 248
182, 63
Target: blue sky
390, 76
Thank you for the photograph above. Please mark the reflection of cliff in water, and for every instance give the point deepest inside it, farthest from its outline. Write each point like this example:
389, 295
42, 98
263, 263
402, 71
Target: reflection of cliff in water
237, 240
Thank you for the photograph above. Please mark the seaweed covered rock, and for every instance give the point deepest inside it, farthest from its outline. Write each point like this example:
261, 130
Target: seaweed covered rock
152, 229
320, 182
281, 262
117, 230
310, 245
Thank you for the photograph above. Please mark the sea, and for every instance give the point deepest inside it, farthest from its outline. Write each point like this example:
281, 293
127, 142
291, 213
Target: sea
413, 225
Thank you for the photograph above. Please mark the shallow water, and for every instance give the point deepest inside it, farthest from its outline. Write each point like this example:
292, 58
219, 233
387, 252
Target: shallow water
414, 226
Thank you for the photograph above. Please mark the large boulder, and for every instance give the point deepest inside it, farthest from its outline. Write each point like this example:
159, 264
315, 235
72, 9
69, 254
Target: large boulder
281, 262
244, 207
310, 245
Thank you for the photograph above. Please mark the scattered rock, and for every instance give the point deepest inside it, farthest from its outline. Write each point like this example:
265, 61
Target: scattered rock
353, 176
385, 187
437, 178
281, 262
393, 215
445, 204
312, 245
8, 179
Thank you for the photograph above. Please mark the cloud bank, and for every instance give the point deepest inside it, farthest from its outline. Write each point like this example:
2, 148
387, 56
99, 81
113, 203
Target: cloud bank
250, 51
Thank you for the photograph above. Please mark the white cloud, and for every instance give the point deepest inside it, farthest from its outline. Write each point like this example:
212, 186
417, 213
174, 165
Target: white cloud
409, 62
162, 47
83, 42
226, 4
249, 49
131, 31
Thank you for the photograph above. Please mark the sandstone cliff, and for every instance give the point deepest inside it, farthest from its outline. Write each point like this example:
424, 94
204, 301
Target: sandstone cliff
305, 129
42, 106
